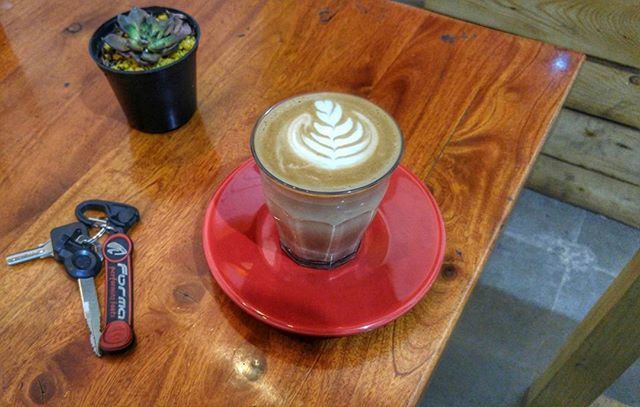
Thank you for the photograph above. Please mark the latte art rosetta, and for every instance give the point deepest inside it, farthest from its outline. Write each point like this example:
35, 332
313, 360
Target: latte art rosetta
332, 139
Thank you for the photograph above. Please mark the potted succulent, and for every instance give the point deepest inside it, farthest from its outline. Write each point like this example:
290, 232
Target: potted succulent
149, 58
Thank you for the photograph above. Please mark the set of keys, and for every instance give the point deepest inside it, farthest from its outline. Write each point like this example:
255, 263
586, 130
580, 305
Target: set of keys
82, 257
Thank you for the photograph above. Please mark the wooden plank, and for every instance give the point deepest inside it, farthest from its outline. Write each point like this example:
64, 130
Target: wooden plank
605, 29
597, 145
608, 91
601, 348
475, 113
591, 190
604, 401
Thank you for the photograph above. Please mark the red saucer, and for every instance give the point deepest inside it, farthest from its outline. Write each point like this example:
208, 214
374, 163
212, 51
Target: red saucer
398, 261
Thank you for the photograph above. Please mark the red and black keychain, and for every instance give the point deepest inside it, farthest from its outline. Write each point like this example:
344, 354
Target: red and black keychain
117, 334
117, 250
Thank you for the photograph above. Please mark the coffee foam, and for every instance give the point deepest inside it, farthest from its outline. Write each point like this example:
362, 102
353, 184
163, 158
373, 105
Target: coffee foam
327, 142
331, 139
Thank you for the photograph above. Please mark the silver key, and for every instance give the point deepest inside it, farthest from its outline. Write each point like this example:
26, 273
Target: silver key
87, 286
91, 311
41, 251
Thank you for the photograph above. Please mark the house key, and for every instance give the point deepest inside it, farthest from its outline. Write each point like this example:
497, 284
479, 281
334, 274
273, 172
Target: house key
71, 246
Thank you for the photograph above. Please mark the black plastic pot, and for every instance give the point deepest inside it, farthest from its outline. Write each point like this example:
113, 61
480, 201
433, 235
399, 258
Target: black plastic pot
157, 100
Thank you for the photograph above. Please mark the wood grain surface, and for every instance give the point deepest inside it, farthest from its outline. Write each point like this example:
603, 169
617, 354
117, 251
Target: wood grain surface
474, 104
597, 145
607, 90
588, 189
606, 29
593, 163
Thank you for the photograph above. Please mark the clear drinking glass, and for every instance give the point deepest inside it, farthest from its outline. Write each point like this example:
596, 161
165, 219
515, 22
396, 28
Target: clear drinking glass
316, 228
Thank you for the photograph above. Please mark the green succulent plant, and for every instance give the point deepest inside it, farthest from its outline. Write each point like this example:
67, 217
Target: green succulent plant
145, 38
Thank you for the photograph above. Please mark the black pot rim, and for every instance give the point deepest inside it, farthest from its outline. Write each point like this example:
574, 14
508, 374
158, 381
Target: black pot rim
94, 38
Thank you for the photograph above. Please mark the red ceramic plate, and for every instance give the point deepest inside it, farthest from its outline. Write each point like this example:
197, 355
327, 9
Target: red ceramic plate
398, 261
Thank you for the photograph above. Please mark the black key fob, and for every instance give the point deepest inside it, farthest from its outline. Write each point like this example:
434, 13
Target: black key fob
120, 216
80, 260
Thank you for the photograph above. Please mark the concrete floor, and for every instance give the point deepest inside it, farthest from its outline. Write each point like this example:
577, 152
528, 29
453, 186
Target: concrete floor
550, 265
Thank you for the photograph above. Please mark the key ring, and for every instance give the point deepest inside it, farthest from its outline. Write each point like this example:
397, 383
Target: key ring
82, 239
102, 223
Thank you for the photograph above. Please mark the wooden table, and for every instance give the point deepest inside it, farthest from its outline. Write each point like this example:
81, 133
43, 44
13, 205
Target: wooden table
475, 105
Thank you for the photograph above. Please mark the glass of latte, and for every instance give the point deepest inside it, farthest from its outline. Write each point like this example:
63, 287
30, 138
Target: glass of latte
325, 161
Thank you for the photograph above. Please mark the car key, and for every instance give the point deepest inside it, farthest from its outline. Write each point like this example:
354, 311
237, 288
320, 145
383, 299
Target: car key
41, 251
117, 250
65, 241
68, 246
